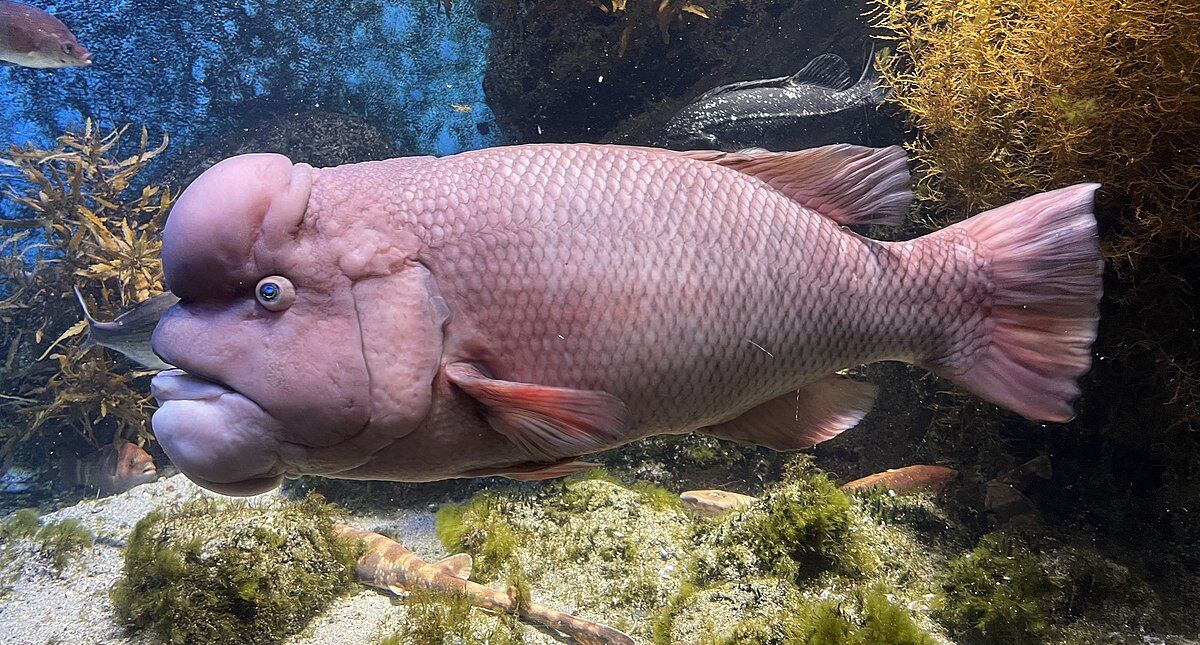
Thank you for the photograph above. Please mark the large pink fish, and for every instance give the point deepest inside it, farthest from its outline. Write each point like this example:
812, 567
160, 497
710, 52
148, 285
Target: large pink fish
507, 310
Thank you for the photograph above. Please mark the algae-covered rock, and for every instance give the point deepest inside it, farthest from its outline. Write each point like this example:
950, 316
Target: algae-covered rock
799, 528
221, 571
436, 618
55, 543
589, 545
1014, 589
765, 612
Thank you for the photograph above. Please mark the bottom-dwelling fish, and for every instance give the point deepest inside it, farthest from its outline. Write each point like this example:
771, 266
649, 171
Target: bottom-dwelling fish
388, 565
910, 479
113, 469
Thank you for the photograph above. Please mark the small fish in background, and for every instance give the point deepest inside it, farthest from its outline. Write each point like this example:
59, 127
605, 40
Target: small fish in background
909, 479
1005, 495
388, 565
113, 469
130, 332
820, 104
33, 38
459, 107
715, 503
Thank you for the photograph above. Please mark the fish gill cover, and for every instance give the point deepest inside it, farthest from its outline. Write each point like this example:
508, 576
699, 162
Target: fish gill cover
194, 69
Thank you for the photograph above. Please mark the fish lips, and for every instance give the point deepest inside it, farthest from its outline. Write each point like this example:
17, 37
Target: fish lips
219, 438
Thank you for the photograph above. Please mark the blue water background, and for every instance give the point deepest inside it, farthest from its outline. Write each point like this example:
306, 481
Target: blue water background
196, 69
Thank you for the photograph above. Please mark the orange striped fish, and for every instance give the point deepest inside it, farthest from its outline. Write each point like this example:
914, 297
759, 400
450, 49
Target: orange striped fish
388, 565
909, 479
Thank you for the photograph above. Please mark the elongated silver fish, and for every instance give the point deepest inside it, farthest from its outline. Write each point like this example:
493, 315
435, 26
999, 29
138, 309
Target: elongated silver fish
130, 332
818, 105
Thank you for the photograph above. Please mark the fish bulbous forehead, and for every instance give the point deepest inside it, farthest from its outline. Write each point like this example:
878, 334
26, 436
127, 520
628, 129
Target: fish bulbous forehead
219, 226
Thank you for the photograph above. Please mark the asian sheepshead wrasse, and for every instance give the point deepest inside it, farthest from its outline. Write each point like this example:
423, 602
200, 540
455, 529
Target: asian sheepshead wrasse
504, 311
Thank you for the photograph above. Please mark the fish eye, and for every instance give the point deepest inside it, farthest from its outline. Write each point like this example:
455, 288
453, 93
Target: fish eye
68, 48
275, 293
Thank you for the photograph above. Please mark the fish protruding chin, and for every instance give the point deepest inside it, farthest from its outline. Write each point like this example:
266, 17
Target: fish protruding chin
220, 439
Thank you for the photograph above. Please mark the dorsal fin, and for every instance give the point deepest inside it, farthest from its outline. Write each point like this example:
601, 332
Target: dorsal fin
848, 184
457, 565
826, 70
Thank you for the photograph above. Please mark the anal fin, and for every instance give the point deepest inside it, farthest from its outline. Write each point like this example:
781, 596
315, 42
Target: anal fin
535, 472
801, 419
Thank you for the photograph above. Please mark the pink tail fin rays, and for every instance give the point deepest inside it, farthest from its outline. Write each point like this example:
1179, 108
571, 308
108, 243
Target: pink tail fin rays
1045, 271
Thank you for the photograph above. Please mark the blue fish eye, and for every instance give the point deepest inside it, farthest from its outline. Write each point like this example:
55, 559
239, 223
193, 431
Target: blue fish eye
275, 293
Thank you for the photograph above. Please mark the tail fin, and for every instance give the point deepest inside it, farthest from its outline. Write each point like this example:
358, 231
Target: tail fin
869, 81
89, 340
1046, 267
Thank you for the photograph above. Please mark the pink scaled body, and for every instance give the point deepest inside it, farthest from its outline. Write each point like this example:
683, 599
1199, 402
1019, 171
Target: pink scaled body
507, 310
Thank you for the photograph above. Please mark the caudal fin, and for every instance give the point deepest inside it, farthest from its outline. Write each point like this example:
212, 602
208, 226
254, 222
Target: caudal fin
1045, 275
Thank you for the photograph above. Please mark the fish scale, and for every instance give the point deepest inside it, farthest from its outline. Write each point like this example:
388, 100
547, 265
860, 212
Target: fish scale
505, 311
732, 261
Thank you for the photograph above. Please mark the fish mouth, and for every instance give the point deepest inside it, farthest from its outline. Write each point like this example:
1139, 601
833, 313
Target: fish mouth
218, 437
178, 385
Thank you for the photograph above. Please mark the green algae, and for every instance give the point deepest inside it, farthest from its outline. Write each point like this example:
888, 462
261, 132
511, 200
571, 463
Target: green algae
773, 611
21, 525
58, 541
436, 618
802, 527
1032, 589
54, 542
589, 545
477, 527
220, 571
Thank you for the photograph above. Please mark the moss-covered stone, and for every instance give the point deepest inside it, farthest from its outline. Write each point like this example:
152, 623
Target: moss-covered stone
220, 571
58, 541
773, 611
21, 525
588, 545
800, 528
439, 618
55, 542
477, 527
1014, 589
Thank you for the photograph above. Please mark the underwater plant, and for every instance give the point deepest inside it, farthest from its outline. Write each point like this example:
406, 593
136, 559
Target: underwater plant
54, 542
223, 571
87, 222
439, 618
1028, 589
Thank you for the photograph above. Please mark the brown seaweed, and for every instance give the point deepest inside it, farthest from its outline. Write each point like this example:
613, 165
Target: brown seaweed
87, 222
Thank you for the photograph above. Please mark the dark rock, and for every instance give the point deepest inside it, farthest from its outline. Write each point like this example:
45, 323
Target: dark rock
317, 138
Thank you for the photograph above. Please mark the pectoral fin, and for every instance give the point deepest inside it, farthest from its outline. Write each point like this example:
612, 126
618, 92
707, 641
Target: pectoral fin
816, 412
457, 565
549, 423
